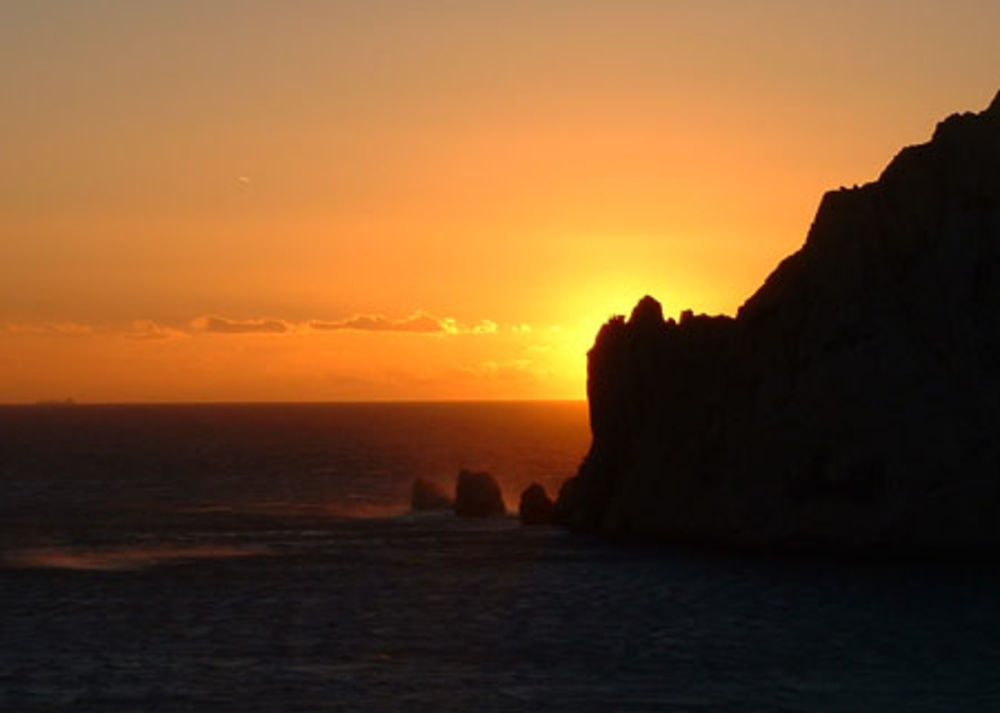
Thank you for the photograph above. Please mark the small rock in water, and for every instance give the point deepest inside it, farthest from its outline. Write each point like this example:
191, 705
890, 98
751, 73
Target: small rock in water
429, 496
536, 507
478, 495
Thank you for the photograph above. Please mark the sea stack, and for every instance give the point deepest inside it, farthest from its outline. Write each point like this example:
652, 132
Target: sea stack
535, 506
853, 402
429, 496
478, 495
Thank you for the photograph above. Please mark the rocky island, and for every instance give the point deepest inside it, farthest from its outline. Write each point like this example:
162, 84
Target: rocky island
852, 403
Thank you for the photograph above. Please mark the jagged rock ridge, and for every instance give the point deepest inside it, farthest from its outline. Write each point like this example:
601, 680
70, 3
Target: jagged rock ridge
853, 402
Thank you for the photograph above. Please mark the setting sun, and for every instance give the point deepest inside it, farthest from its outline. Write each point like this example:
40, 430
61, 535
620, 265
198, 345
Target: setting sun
461, 195
534, 356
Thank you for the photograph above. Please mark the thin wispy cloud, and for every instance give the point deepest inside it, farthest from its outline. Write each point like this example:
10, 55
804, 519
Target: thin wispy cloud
417, 323
147, 329
69, 329
485, 326
222, 325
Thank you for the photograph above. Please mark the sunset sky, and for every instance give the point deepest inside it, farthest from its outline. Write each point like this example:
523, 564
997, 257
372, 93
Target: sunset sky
258, 201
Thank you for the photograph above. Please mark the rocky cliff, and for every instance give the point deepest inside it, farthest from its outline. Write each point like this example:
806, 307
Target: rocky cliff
853, 402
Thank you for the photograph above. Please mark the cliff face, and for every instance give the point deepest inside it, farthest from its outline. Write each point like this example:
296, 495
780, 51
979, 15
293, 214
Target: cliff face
853, 402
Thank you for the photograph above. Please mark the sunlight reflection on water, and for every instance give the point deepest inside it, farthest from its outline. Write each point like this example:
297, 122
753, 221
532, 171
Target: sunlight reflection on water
244, 559
122, 557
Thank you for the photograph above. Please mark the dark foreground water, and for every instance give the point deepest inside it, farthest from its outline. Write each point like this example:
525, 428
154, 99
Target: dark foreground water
258, 558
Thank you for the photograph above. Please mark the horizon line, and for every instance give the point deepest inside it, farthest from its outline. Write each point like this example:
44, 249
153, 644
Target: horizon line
73, 403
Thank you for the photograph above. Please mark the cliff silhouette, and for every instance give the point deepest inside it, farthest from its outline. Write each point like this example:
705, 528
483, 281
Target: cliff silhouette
852, 403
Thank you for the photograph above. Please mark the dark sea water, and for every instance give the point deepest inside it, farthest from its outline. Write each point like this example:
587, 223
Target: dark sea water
260, 558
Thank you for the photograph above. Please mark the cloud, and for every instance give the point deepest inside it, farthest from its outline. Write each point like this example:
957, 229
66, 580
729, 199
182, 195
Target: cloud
69, 329
485, 326
222, 325
16, 328
417, 323
147, 329
138, 329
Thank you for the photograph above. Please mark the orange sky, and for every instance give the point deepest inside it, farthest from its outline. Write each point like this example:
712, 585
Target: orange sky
424, 200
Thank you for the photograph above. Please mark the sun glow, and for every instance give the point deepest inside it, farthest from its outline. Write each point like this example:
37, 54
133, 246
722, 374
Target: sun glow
443, 201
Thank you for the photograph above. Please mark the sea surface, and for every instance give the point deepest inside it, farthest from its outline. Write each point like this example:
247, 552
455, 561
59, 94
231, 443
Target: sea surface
262, 558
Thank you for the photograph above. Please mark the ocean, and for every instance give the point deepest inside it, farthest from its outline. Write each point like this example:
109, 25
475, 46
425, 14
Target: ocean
263, 558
